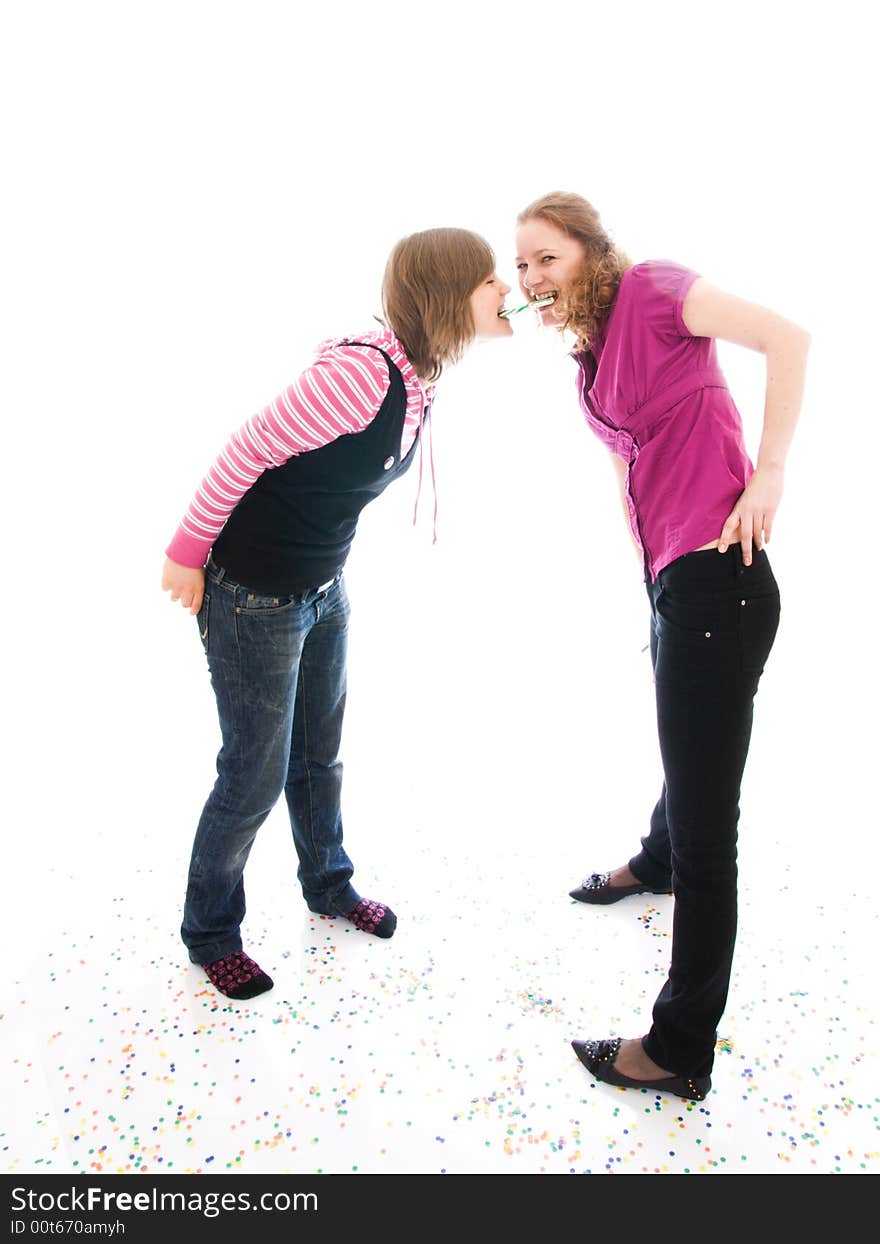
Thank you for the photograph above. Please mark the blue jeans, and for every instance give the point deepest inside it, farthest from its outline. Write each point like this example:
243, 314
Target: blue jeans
278, 671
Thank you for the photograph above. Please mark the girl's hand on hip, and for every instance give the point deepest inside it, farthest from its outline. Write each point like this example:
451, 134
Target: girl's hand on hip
751, 520
185, 584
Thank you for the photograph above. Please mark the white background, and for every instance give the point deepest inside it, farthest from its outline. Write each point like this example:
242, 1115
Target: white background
198, 193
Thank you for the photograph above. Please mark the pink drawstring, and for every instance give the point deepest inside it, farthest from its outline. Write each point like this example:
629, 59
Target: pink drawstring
421, 447
433, 474
421, 464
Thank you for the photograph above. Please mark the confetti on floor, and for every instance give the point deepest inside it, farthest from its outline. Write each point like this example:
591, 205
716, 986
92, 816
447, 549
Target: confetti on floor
444, 1049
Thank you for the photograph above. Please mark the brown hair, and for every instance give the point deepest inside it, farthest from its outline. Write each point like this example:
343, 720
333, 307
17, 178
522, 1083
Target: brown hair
429, 279
587, 301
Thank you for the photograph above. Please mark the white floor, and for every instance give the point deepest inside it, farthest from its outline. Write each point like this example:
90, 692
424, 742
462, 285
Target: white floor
445, 1049
492, 759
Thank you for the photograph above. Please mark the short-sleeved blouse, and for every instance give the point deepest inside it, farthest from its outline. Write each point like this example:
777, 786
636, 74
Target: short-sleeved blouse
655, 395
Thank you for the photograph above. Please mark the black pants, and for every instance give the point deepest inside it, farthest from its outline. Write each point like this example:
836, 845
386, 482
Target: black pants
713, 622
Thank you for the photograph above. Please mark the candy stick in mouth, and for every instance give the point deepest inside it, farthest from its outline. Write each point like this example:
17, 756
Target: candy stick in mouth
536, 302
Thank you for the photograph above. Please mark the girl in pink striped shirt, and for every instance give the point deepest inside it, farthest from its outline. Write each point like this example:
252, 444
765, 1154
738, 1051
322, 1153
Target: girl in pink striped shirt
258, 558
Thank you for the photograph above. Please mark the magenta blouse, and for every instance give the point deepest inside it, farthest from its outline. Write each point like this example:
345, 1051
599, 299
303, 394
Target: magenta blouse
654, 394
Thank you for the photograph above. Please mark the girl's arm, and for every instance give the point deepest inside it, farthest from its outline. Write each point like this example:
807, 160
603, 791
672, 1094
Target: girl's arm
338, 394
185, 583
710, 312
620, 470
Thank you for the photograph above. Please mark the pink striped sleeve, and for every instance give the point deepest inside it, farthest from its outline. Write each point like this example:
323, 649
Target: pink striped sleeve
339, 394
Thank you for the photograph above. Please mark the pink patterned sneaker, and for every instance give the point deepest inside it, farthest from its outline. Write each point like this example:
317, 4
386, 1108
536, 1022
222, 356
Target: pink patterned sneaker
372, 917
237, 976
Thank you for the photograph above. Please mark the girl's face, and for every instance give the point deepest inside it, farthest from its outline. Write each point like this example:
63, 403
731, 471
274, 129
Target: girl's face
487, 301
547, 260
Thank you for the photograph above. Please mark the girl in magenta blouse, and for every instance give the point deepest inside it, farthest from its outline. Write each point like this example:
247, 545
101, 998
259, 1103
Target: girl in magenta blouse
700, 514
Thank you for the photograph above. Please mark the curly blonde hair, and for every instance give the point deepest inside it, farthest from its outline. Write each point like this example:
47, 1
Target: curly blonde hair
586, 302
426, 292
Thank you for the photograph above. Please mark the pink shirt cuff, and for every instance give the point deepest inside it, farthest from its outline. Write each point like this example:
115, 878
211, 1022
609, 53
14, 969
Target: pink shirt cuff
187, 551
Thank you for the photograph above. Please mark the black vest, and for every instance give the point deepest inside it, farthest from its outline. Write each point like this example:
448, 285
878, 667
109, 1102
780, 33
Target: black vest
293, 529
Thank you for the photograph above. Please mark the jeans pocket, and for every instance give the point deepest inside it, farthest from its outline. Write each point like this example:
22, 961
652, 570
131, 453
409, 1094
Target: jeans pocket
759, 621
695, 637
253, 604
202, 620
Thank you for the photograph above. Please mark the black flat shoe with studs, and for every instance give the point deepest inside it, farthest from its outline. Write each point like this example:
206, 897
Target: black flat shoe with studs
598, 889
598, 1058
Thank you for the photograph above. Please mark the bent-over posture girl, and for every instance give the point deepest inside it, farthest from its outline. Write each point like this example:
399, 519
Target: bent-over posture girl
259, 558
